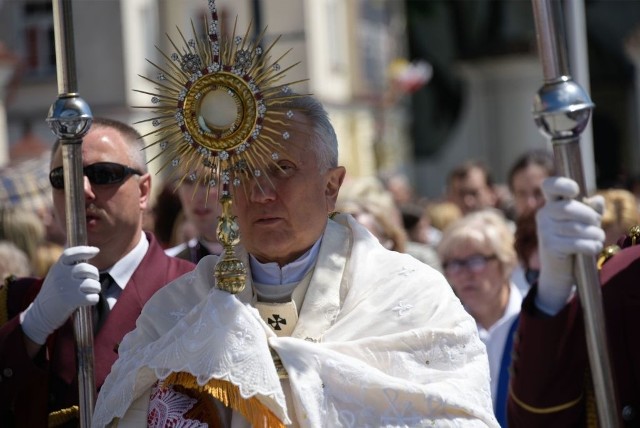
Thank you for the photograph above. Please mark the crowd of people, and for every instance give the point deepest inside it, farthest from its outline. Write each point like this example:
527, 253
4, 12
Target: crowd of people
494, 255
465, 307
505, 263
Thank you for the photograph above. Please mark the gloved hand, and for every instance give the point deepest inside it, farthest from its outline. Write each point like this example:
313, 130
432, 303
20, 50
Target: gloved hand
70, 284
565, 227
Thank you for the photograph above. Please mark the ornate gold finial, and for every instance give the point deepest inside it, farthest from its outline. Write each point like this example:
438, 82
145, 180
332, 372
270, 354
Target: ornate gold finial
220, 101
230, 272
606, 254
634, 234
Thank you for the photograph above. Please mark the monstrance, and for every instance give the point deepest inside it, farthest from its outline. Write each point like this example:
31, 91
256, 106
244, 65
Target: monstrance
219, 101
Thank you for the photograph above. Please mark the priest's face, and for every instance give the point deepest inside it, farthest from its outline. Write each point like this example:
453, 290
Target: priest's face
283, 212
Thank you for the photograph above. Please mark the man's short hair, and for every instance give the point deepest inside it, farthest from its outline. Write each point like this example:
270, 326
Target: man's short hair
131, 136
539, 157
461, 172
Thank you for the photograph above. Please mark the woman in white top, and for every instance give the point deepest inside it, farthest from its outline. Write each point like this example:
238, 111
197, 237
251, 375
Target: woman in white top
478, 257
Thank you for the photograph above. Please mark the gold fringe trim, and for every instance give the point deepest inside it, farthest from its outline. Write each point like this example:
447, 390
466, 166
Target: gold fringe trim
252, 409
63, 416
543, 410
4, 294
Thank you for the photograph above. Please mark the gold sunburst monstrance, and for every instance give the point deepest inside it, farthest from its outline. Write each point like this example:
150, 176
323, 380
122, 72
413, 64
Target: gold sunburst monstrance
218, 102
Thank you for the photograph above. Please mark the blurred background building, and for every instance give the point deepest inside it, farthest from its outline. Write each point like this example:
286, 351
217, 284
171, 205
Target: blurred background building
412, 86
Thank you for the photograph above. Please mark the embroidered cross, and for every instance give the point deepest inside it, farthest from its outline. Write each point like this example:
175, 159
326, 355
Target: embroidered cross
402, 308
405, 271
276, 321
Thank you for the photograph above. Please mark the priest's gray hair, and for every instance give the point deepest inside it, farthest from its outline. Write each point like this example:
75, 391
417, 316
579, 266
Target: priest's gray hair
325, 142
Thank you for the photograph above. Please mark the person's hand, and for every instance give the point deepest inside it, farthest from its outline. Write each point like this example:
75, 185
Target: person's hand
565, 227
70, 284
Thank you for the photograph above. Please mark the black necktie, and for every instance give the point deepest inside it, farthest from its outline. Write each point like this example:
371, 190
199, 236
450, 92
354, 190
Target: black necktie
102, 307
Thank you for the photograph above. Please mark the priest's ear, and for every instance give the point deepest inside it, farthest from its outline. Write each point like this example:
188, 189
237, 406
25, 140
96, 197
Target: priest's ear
335, 177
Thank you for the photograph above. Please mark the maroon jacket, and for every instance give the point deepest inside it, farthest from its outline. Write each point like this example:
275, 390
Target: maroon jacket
31, 389
550, 363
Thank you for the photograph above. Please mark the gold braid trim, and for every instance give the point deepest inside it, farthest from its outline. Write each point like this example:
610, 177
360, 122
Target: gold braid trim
252, 409
63, 416
590, 399
4, 294
543, 410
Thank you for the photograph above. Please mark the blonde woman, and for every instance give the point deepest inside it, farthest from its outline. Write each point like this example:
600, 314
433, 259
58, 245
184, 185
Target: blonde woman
24, 228
13, 261
620, 214
478, 258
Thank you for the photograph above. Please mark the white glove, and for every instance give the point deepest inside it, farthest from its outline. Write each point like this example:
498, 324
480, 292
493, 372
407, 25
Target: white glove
565, 227
70, 284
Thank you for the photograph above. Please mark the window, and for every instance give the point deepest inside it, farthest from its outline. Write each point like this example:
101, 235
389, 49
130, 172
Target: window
39, 40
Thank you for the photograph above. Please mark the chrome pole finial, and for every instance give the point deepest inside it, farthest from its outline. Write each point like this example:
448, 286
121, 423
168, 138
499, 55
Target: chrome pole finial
69, 117
562, 109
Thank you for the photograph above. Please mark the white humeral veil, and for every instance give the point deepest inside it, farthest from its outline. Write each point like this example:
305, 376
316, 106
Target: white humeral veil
381, 340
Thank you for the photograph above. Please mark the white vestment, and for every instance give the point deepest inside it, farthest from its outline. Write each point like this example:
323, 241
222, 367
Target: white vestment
381, 340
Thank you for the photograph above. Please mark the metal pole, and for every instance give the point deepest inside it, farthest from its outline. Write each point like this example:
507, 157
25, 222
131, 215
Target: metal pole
562, 110
579, 65
257, 18
70, 118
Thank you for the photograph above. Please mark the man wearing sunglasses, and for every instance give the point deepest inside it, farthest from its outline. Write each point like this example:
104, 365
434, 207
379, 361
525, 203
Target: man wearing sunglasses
37, 355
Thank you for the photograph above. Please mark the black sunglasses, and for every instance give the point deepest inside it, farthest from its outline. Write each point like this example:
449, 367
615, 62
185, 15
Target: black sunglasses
100, 173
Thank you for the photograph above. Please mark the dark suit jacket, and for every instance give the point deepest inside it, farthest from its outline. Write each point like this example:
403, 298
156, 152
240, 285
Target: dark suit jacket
193, 253
551, 366
31, 389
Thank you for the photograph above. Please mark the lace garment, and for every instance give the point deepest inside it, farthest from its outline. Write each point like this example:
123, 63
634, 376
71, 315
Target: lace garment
167, 408
381, 340
221, 338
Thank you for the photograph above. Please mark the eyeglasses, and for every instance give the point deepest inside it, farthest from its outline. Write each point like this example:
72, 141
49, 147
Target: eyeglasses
100, 173
474, 263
